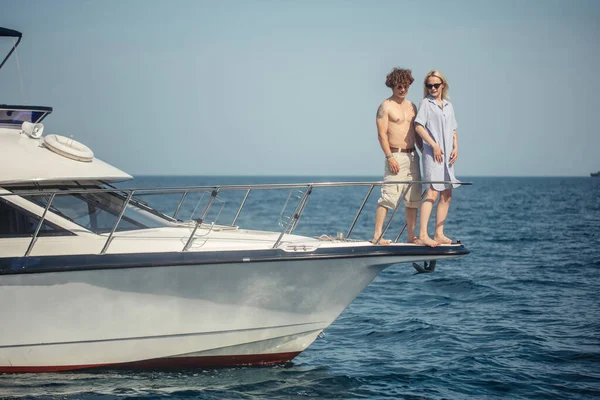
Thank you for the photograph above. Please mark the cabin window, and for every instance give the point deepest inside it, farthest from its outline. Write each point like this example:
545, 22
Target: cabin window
95, 211
16, 222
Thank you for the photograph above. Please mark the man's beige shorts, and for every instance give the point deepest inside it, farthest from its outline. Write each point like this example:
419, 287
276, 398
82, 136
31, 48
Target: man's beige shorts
410, 170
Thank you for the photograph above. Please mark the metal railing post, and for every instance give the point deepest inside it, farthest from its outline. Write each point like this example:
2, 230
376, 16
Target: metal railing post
213, 195
302, 207
39, 226
179, 205
400, 199
296, 215
406, 223
360, 210
240, 209
110, 237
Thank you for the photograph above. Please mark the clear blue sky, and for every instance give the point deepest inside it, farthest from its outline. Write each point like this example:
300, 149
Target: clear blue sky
267, 87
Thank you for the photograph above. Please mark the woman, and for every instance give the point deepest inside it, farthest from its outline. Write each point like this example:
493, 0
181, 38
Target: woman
436, 124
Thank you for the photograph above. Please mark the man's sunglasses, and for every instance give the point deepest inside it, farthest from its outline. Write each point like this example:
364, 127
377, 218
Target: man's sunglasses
433, 85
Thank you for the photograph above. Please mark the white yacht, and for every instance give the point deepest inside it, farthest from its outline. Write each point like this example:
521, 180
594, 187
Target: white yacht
92, 276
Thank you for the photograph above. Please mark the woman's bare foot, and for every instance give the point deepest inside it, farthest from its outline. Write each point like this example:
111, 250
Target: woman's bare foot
382, 242
416, 241
427, 241
442, 239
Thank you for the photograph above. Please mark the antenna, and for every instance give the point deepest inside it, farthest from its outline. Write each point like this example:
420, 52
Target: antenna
10, 33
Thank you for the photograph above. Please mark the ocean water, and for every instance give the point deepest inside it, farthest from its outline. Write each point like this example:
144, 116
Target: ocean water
517, 318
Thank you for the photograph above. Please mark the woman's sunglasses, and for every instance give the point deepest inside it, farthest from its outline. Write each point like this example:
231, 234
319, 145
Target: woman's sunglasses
433, 85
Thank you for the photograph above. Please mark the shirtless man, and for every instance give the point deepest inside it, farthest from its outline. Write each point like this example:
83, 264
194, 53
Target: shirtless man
396, 130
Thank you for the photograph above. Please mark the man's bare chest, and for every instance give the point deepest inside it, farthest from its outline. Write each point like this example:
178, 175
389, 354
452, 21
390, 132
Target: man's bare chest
401, 115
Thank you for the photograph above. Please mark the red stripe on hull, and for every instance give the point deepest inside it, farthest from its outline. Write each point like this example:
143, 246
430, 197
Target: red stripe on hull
167, 363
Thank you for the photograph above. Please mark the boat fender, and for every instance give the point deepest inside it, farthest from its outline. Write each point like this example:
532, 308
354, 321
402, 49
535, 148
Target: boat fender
69, 148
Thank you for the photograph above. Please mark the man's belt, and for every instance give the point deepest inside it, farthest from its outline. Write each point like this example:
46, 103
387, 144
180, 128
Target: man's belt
396, 150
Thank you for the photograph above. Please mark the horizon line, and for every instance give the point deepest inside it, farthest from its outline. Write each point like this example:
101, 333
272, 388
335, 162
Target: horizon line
345, 175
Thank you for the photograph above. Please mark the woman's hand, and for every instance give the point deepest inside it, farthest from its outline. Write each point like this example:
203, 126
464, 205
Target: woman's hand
438, 154
453, 155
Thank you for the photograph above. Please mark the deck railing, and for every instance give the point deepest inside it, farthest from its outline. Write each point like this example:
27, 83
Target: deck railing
214, 191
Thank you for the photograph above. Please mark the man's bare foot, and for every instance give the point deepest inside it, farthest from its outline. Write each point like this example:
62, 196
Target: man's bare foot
427, 241
382, 242
416, 241
442, 240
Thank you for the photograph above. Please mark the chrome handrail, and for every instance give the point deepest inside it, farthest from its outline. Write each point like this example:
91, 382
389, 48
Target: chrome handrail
237, 214
398, 203
112, 232
302, 206
199, 221
215, 190
265, 186
360, 211
406, 223
39, 226
295, 216
180, 203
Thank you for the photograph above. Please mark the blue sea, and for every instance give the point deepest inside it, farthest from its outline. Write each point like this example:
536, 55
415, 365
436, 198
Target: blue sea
517, 318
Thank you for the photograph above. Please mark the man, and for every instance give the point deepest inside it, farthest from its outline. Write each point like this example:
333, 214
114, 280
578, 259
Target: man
396, 133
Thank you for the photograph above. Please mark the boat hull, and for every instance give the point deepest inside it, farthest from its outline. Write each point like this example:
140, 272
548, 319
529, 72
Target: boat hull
175, 315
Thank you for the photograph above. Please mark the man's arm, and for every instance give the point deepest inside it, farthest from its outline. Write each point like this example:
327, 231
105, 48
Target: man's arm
382, 121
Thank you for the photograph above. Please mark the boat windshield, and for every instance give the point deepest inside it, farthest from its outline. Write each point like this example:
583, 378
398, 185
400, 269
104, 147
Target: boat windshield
14, 116
97, 212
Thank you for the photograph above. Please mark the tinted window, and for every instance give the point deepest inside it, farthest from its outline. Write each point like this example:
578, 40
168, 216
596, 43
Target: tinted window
96, 211
19, 116
15, 222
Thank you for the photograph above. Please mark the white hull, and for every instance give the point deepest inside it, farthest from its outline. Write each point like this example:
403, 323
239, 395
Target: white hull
214, 314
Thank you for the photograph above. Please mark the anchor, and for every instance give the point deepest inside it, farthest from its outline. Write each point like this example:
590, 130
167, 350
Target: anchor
426, 267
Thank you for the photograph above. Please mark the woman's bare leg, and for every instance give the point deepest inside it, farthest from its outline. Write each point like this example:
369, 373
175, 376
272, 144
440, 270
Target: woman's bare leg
426, 208
440, 217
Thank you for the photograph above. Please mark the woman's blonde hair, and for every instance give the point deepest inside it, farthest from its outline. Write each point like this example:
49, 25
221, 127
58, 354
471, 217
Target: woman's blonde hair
437, 74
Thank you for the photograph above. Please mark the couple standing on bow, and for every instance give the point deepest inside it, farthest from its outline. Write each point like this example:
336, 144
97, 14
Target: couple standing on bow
432, 129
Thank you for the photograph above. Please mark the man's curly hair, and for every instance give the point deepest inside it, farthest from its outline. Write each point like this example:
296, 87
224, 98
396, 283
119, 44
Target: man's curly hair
399, 77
